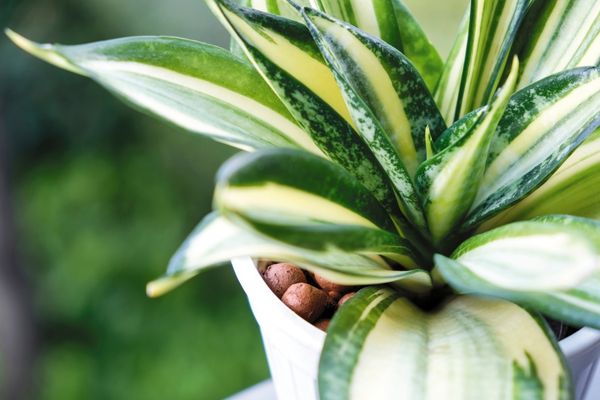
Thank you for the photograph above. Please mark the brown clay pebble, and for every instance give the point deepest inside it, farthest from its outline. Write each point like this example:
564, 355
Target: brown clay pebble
329, 286
279, 277
345, 298
305, 300
323, 324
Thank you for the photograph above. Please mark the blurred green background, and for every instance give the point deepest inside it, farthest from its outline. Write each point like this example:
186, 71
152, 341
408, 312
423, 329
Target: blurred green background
94, 198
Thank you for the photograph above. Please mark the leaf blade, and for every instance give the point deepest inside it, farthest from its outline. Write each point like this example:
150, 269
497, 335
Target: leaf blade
418, 353
217, 239
392, 22
558, 35
388, 101
308, 202
562, 110
531, 255
448, 182
573, 189
575, 301
291, 62
493, 26
187, 83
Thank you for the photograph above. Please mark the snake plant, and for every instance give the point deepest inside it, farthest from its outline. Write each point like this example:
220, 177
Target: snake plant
464, 195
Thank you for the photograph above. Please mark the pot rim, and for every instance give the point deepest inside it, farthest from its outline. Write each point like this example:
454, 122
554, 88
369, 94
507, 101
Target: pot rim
252, 283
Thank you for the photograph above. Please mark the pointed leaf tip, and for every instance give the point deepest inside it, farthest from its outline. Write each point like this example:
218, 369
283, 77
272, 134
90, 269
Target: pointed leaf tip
44, 52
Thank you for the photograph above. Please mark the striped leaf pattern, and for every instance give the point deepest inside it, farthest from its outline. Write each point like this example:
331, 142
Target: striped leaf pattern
217, 239
391, 106
284, 52
196, 86
558, 35
448, 86
531, 255
384, 80
543, 124
380, 345
578, 306
282, 8
493, 25
573, 189
539, 271
449, 181
392, 22
308, 202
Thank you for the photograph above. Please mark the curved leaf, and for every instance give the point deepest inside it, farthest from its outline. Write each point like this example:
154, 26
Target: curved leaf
282, 8
285, 53
532, 255
577, 305
392, 22
384, 80
381, 346
448, 182
217, 240
543, 124
193, 85
389, 102
558, 35
448, 87
493, 25
574, 189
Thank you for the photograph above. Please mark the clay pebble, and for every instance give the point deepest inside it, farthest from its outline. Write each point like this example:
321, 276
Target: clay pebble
305, 300
279, 277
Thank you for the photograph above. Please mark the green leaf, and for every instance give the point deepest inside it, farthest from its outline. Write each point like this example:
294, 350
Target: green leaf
531, 255
560, 288
449, 181
379, 345
305, 201
285, 53
193, 85
447, 89
279, 7
384, 81
217, 240
573, 189
542, 125
392, 22
388, 101
493, 25
558, 35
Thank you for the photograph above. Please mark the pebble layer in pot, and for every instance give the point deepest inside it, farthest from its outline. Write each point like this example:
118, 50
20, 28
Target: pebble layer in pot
462, 196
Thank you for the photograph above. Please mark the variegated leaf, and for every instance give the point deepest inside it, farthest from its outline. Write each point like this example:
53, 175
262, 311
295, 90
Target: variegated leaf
285, 53
448, 87
548, 275
388, 101
392, 22
558, 35
308, 202
217, 240
284, 8
193, 85
532, 255
574, 189
381, 346
449, 181
543, 124
492, 29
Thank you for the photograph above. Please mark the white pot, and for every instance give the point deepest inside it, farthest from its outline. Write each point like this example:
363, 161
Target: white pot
293, 346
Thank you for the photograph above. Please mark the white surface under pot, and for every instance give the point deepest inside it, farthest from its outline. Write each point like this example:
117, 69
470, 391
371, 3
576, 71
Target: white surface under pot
293, 346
